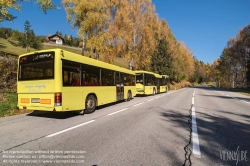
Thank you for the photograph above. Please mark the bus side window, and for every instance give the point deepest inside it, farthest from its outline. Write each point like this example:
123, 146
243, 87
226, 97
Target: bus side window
91, 82
75, 78
65, 78
71, 73
107, 77
133, 80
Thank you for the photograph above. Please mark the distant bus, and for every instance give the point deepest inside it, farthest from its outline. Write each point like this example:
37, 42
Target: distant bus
58, 80
149, 83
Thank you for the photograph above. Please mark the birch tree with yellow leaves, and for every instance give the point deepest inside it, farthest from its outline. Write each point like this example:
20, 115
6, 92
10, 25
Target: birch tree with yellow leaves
115, 28
92, 19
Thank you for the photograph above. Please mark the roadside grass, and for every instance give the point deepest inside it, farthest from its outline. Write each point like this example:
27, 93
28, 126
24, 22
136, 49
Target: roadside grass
244, 93
237, 90
180, 85
212, 84
8, 104
241, 91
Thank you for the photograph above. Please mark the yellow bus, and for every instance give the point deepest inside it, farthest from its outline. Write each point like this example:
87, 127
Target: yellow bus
149, 83
58, 80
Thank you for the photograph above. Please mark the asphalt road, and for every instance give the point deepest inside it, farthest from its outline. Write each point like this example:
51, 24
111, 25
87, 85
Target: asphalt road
153, 130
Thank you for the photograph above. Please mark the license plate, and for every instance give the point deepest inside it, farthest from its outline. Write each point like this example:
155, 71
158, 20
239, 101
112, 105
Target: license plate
35, 100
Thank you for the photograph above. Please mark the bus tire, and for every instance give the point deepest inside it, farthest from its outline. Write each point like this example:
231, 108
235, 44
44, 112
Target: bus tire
129, 95
154, 92
90, 104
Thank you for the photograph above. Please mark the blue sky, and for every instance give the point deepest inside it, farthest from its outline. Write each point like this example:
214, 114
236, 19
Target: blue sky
204, 25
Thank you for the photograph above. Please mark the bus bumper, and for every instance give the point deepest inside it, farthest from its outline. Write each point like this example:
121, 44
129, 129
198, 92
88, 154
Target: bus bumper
52, 109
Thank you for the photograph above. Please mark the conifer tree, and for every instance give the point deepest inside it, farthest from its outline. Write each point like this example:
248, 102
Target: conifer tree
28, 39
161, 61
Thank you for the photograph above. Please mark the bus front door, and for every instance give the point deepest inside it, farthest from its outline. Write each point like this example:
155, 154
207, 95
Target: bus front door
158, 85
119, 78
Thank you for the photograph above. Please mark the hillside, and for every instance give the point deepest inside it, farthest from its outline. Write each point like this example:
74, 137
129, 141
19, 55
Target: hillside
10, 47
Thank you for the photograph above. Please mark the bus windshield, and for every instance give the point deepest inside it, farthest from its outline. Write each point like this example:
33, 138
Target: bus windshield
36, 66
139, 78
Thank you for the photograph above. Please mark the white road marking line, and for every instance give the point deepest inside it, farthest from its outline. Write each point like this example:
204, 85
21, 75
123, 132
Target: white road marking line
195, 137
74, 127
228, 95
118, 111
157, 97
68, 129
245, 101
138, 104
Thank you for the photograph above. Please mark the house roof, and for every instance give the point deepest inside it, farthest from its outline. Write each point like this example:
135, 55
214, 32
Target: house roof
55, 35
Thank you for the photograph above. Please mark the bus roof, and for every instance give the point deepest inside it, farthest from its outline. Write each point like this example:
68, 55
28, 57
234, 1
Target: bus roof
148, 72
83, 59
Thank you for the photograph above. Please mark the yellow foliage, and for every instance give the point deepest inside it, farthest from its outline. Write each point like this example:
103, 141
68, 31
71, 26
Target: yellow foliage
116, 28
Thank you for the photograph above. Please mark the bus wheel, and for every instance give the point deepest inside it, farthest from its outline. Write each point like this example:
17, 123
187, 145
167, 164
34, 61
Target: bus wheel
90, 104
129, 96
154, 91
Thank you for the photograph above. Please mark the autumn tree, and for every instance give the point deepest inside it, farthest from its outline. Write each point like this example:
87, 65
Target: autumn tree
186, 60
234, 61
183, 62
91, 19
115, 28
243, 40
132, 31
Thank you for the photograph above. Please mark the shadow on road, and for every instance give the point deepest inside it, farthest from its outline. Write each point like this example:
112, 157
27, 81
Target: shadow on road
180, 121
227, 97
54, 115
65, 115
217, 134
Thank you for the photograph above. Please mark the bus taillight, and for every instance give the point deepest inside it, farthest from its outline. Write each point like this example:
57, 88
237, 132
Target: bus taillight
58, 99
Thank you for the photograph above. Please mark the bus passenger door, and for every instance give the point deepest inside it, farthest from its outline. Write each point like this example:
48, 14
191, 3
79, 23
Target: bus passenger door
158, 85
119, 79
